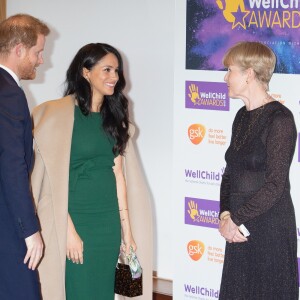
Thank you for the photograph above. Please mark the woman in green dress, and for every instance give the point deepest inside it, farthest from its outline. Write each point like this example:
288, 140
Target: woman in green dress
97, 193
87, 221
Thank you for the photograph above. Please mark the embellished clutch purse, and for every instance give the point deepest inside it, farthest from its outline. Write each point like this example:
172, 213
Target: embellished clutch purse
128, 277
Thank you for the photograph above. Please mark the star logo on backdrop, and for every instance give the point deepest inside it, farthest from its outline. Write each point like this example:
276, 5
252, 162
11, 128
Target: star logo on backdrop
239, 18
234, 12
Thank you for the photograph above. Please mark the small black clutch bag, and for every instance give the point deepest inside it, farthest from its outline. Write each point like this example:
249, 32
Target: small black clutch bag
128, 277
124, 283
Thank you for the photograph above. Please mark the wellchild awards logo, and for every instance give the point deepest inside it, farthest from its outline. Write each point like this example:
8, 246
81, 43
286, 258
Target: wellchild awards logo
204, 176
201, 212
194, 291
206, 95
261, 14
219, 24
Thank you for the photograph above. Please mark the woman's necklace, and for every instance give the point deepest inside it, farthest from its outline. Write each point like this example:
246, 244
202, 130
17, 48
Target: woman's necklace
240, 138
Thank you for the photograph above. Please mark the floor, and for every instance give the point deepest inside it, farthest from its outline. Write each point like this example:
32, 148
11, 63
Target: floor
161, 297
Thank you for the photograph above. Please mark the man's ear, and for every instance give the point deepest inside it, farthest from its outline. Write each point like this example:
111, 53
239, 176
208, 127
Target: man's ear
19, 50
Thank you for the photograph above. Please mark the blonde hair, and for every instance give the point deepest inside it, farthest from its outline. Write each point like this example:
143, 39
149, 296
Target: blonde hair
20, 28
252, 55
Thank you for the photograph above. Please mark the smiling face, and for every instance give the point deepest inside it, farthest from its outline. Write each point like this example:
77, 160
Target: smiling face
31, 59
236, 80
103, 77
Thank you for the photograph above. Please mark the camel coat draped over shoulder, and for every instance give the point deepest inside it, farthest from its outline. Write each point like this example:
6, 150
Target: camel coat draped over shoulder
53, 126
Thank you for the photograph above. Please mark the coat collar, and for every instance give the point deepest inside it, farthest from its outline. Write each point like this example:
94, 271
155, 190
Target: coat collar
53, 126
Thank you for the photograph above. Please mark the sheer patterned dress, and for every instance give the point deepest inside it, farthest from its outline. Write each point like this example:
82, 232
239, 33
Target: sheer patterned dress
256, 190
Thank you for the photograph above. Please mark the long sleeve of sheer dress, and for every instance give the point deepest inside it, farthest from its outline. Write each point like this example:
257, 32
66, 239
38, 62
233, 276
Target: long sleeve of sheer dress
225, 183
280, 147
225, 191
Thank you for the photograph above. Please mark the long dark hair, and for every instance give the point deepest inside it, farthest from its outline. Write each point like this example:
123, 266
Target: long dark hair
114, 109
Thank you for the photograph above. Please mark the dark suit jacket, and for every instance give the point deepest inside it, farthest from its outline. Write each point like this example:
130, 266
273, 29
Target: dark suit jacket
17, 215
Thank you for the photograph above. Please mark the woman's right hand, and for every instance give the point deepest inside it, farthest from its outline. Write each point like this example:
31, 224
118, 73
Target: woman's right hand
230, 231
74, 244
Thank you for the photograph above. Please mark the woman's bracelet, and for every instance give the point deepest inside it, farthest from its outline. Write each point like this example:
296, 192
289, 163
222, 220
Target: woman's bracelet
225, 215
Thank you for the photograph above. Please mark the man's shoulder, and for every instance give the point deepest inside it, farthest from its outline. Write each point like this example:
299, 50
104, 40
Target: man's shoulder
4, 73
12, 100
7, 80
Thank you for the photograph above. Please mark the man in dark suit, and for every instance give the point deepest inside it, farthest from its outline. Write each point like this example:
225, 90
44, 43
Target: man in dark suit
22, 40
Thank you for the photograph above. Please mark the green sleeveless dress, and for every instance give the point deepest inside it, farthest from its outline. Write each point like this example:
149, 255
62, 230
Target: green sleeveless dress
93, 207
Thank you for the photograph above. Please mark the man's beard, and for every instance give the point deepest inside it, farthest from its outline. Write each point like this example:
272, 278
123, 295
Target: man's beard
27, 70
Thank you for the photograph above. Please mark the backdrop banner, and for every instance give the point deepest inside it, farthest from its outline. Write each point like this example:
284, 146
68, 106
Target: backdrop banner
203, 116
214, 26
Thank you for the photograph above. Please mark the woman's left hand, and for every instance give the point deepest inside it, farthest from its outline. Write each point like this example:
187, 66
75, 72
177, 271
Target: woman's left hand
129, 241
239, 238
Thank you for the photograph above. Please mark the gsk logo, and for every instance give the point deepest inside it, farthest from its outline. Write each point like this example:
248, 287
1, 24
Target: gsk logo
196, 133
195, 249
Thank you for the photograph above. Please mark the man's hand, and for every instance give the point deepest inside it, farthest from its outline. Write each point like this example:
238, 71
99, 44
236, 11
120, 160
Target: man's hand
34, 253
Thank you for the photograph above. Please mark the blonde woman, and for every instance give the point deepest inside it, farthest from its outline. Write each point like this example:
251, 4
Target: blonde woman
255, 191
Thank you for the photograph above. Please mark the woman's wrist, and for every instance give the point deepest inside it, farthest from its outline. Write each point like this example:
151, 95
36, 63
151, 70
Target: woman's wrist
225, 215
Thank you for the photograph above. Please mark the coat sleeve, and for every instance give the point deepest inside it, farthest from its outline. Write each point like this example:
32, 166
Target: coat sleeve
15, 128
140, 211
